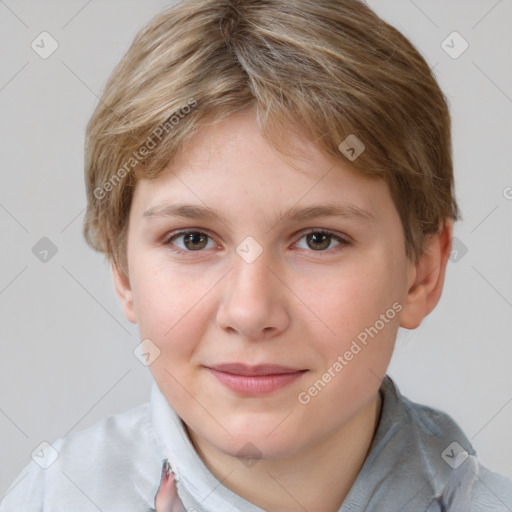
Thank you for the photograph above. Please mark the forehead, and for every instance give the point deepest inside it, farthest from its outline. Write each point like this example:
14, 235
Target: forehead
230, 166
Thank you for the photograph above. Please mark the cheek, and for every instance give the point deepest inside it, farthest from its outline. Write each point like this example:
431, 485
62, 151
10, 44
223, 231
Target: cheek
168, 305
362, 309
354, 299
172, 317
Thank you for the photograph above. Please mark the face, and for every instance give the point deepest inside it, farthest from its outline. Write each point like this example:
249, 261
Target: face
235, 256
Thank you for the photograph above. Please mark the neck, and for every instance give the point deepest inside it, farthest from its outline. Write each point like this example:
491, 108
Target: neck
318, 478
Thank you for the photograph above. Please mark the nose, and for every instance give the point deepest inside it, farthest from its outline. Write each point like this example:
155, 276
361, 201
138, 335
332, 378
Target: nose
254, 301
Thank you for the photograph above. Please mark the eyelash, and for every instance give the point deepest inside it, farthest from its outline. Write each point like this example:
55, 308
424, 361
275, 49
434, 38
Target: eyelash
343, 242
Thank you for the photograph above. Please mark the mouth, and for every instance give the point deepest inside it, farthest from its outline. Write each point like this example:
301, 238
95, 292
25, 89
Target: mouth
255, 380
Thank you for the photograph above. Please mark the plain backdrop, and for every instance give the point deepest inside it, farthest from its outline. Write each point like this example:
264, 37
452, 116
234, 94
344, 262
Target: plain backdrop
66, 349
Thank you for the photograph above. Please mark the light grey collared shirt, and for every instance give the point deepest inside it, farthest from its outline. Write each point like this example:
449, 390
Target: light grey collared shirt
419, 461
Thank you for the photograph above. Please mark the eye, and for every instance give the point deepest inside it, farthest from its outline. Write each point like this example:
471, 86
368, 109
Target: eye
319, 240
190, 241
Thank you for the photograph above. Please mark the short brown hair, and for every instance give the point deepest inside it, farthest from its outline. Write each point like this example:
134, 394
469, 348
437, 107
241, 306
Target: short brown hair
333, 67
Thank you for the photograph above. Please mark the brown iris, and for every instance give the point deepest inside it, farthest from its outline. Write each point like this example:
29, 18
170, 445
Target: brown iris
321, 240
195, 240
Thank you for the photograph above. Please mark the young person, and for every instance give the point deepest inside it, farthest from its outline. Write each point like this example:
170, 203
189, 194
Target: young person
272, 182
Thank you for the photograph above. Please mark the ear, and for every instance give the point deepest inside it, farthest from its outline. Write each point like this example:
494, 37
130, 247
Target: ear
426, 277
124, 293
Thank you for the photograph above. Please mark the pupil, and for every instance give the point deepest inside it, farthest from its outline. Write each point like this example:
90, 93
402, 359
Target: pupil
319, 238
195, 241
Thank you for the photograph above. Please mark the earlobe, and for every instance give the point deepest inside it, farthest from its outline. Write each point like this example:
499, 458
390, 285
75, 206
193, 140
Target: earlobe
427, 277
124, 293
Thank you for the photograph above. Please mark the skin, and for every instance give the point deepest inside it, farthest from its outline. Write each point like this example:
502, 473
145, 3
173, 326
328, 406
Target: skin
166, 499
299, 304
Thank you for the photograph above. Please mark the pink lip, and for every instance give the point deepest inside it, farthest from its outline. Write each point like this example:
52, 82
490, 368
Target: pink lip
255, 380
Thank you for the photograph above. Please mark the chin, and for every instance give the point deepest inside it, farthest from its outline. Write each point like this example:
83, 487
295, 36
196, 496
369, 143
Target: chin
253, 445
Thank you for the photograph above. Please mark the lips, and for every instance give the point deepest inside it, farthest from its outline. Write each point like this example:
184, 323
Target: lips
256, 380
261, 369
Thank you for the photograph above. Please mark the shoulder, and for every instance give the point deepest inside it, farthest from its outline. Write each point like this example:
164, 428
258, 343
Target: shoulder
472, 487
491, 492
430, 434
459, 481
85, 469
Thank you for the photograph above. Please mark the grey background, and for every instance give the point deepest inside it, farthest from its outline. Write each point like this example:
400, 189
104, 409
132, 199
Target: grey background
66, 349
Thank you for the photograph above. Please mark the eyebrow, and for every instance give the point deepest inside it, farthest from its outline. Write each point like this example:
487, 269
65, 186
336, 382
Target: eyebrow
189, 211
